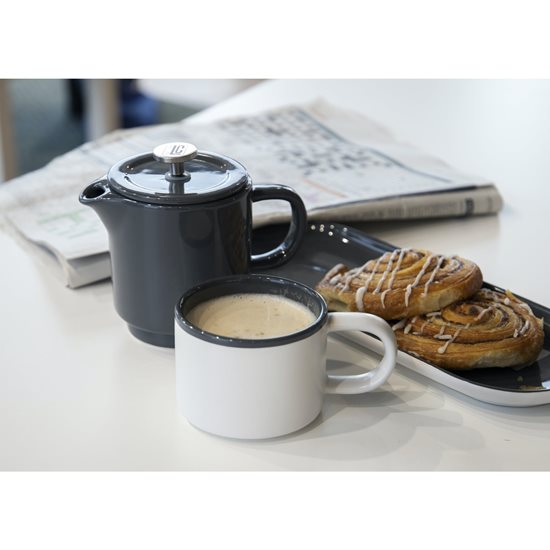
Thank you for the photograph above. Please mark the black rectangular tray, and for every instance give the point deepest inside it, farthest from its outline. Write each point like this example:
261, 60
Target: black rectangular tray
326, 244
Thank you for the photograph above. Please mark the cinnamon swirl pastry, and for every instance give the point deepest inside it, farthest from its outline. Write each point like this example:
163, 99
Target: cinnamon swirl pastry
490, 329
402, 283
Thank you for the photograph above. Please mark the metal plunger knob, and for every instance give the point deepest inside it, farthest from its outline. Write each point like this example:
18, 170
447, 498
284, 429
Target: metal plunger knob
175, 154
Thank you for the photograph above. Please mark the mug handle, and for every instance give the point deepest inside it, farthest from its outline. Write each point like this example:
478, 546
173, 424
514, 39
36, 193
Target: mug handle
361, 383
298, 222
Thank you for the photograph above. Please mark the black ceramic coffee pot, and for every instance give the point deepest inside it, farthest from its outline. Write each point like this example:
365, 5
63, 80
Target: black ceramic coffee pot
172, 229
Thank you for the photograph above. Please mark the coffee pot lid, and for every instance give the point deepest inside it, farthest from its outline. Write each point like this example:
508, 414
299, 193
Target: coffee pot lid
177, 173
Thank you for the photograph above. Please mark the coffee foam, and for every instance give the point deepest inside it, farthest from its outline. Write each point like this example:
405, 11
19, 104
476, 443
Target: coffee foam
251, 316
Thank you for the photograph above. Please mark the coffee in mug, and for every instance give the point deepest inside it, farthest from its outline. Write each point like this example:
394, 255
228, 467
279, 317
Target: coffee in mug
251, 315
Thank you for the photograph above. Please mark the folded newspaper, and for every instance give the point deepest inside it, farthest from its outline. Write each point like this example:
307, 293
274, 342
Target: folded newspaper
345, 167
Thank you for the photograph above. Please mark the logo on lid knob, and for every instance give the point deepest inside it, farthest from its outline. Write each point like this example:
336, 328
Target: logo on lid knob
175, 152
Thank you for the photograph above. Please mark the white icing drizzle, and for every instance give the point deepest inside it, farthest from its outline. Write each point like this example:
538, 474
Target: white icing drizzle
392, 276
335, 279
360, 292
433, 313
483, 312
397, 266
408, 291
524, 328
359, 298
352, 273
408, 294
411, 323
349, 277
386, 272
507, 301
383, 296
373, 272
443, 337
444, 347
434, 273
334, 271
526, 307
417, 280
399, 325
454, 262
449, 341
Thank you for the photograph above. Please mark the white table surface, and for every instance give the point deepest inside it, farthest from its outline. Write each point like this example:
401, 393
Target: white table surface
78, 392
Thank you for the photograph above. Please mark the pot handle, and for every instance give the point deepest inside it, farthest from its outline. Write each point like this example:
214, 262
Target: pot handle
296, 231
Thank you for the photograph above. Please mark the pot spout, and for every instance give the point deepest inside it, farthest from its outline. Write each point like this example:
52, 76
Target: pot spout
98, 195
95, 193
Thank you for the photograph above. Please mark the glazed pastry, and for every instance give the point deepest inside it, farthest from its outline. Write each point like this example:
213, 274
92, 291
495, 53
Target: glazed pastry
490, 329
399, 284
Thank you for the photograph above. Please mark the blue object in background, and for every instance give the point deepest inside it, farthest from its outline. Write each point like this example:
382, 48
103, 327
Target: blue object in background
136, 109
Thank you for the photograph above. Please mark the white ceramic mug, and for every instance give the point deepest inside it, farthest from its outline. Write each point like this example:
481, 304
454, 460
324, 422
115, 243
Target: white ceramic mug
255, 389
